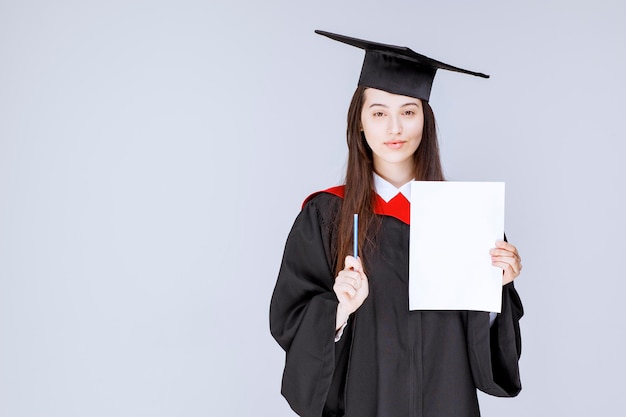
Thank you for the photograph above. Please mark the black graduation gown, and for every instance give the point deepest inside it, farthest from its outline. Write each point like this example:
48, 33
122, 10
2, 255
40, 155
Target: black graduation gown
390, 362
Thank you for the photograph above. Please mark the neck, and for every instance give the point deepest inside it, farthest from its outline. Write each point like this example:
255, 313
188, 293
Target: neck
396, 174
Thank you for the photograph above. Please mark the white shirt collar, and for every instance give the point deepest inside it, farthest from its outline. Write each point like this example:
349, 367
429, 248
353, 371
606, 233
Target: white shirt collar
387, 190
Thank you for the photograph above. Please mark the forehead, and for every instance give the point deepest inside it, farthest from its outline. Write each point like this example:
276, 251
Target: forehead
376, 96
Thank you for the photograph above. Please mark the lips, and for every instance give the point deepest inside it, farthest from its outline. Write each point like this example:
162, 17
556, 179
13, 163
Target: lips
395, 144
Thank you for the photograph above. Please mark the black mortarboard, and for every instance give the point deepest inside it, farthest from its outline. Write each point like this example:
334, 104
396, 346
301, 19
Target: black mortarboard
396, 69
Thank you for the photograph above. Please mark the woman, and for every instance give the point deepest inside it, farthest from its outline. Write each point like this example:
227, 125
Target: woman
352, 346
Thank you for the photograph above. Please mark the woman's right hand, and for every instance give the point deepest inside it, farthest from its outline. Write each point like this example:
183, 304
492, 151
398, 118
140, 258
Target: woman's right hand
351, 287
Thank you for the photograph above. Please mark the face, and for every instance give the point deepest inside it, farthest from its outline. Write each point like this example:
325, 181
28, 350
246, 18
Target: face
393, 126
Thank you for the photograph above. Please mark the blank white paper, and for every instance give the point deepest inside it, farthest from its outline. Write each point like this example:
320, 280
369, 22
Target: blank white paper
453, 226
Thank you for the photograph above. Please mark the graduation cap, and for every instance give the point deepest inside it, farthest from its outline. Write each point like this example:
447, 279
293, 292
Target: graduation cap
396, 69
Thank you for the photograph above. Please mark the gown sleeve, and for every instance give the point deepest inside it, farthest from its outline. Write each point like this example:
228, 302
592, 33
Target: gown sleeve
494, 352
303, 312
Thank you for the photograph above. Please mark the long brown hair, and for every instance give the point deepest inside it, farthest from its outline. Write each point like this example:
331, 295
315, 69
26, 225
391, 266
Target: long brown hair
359, 185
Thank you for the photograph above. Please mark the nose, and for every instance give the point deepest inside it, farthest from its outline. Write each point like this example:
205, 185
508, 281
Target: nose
395, 125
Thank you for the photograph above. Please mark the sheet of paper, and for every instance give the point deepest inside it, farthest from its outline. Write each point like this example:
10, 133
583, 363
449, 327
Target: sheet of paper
453, 226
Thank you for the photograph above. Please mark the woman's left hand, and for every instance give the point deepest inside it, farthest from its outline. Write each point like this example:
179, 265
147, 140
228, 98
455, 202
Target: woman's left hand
505, 256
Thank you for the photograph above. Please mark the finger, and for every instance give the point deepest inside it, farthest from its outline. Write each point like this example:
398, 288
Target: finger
350, 277
353, 263
343, 288
349, 273
503, 252
506, 245
507, 266
346, 281
510, 260
509, 257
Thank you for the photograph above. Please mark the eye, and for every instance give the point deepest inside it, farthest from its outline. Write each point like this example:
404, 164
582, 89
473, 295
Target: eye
409, 113
378, 114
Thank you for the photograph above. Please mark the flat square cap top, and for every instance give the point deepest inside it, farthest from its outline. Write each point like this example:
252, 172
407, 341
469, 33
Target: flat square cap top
397, 69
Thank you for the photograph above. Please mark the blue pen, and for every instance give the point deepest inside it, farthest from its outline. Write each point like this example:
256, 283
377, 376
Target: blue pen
356, 235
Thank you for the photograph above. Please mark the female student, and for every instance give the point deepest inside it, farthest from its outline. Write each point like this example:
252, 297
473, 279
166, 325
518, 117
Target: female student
352, 346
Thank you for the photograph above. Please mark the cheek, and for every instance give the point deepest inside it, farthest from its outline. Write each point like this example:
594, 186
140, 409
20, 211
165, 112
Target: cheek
416, 129
370, 130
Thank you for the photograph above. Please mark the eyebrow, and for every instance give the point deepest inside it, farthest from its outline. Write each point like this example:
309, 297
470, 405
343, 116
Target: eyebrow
385, 106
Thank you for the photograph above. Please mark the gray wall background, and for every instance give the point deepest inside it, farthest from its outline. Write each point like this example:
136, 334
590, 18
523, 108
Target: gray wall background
153, 156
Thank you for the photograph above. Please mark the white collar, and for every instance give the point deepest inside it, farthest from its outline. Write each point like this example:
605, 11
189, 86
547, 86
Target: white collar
387, 190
